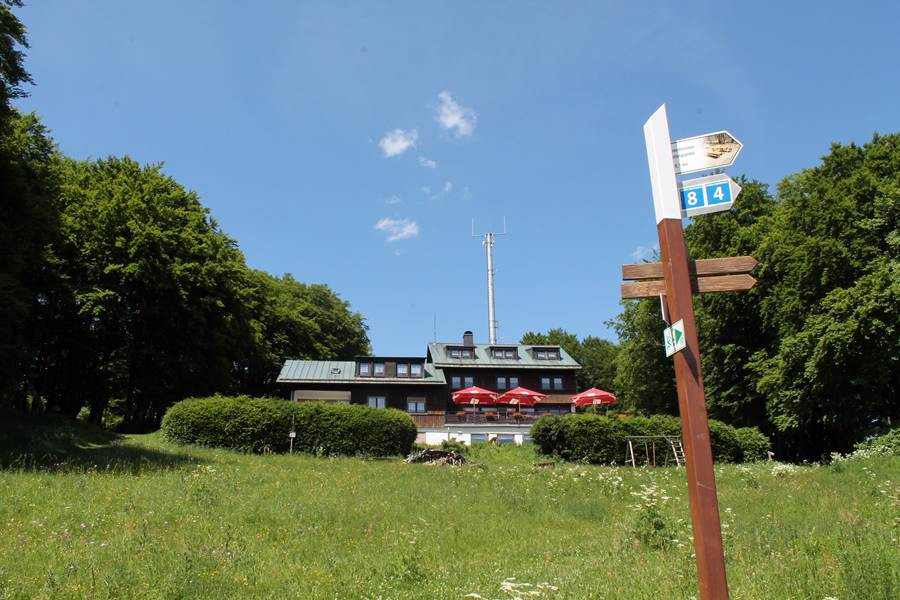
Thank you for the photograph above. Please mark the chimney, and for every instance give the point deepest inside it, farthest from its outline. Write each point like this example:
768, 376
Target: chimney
468, 338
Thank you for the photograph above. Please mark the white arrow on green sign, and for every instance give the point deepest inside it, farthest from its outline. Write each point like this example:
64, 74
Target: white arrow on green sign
674, 338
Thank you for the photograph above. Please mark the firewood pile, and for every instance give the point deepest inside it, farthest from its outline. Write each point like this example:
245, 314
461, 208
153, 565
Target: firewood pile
436, 456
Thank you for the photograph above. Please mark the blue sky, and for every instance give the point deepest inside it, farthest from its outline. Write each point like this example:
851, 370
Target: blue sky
352, 143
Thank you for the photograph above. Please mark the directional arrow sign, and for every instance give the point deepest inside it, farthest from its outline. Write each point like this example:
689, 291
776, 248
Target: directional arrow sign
704, 152
674, 338
707, 194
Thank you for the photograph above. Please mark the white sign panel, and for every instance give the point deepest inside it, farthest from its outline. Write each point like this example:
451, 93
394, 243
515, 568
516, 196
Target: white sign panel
707, 194
674, 339
704, 152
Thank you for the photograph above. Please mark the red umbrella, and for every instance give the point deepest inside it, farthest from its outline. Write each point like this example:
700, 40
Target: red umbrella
593, 396
520, 396
473, 395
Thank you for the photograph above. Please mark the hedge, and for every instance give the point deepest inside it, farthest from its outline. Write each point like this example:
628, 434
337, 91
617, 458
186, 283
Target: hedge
262, 424
602, 440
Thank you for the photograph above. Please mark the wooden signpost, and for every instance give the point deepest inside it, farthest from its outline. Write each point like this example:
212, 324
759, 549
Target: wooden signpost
679, 278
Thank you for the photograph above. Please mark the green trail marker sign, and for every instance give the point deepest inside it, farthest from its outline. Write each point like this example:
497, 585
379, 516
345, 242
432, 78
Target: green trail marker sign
674, 338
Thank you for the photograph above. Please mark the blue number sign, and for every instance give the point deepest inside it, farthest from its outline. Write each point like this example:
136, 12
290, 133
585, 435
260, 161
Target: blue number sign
707, 194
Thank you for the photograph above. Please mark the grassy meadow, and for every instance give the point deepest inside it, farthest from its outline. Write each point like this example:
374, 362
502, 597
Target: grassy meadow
84, 514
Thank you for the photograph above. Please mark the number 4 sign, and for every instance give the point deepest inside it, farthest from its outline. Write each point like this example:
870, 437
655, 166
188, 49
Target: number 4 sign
707, 194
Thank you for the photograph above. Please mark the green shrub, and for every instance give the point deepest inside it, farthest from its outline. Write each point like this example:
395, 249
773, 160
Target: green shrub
262, 424
886, 443
754, 444
454, 445
602, 440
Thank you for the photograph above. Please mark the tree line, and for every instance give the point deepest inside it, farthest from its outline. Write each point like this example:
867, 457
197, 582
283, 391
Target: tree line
811, 355
120, 293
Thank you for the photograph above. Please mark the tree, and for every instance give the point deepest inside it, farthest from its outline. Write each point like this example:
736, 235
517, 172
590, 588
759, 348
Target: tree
12, 68
595, 355
289, 319
729, 329
148, 308
28, 183
831, 377
645, 378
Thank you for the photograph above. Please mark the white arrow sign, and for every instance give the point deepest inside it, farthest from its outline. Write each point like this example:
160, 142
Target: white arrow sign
704, 152
707, 194
674, 339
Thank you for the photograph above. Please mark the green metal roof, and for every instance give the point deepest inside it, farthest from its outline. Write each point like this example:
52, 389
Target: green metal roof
483, 357
344, 371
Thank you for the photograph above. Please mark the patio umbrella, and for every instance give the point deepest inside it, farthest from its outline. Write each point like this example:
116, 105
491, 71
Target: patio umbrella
520, 396
592, 397
473, 395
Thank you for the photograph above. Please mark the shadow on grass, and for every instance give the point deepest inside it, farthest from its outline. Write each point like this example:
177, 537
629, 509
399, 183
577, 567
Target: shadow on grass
53, 443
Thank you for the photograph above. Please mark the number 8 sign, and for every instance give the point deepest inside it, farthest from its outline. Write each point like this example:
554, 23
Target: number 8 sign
692, 198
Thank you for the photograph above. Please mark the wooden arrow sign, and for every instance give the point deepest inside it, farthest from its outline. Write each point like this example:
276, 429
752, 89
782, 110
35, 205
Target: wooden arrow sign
733, 265
700, 285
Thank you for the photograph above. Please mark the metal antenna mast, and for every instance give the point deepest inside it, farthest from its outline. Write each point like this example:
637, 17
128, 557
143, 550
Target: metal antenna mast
488, 242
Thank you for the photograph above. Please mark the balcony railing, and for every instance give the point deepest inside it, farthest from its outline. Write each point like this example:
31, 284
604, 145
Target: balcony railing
482, 418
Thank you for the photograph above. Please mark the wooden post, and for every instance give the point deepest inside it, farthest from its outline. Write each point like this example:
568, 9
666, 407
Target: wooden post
694, 425
689, 379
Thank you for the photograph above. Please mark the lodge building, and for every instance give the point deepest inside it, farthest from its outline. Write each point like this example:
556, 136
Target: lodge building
422, 386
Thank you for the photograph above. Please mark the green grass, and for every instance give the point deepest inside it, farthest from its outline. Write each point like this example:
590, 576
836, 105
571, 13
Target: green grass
91, 515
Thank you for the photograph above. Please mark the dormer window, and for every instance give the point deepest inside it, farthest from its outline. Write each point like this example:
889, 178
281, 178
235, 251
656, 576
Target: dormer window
415, 370
506, 353
365, 369
402, 370
461, 353
379, 369
546, 353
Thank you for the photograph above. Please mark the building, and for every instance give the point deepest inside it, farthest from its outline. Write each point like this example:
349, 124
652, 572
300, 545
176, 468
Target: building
422, 386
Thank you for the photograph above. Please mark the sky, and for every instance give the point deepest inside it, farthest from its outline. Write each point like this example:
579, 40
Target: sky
354, 143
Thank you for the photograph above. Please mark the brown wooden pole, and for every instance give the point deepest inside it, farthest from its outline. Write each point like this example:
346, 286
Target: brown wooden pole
694, 425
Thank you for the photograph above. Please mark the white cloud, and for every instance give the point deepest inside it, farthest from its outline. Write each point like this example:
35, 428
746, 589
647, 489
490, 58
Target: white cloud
427, 163
395, 199
645, 252
397, 229
455, 117
396, 142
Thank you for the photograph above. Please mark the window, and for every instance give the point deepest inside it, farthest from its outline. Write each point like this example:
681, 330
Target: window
546, 353
545, 383
365, 369
456, 382
402, 370
454, 353
379, 369
503, 353
513, 381
468, 381
415, 370
501, 383
465, 353
377, 401
415, 405
505, 438
557, 383
552, 354
540, 354
478, 437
